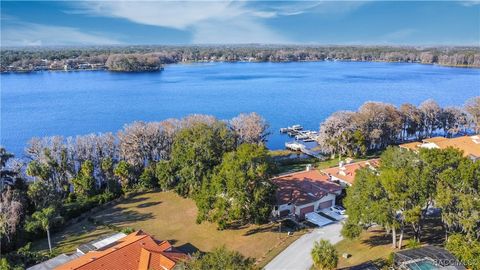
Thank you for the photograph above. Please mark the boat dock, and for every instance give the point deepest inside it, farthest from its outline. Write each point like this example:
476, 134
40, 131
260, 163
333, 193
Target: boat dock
299, 134
296, 146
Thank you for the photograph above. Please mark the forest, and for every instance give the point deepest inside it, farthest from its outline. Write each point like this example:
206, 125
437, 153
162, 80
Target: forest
225, 168
376, 125
151, 58
198, 157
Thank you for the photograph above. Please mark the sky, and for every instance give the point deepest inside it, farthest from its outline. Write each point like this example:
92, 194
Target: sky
418, 23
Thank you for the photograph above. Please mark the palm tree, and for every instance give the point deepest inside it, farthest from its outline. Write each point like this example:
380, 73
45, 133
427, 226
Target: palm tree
324, 255
43, 219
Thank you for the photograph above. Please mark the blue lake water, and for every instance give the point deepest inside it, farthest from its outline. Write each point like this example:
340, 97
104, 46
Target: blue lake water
71, 103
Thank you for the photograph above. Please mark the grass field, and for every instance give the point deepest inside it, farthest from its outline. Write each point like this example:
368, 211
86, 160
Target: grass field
167, 216
372, 245
375, 245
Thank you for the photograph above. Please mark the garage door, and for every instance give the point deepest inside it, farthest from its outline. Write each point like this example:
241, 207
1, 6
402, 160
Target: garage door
324, 205
305, 210
284, 213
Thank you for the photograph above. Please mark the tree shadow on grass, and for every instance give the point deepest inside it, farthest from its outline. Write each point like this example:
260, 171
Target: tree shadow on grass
119, 216
148, 204
188, 248
262, 229
378, 240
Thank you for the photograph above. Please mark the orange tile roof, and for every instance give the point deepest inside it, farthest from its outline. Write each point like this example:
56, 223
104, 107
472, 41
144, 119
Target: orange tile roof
434, 139
303, 187
137, 250
470, 145
411, 146
347, 172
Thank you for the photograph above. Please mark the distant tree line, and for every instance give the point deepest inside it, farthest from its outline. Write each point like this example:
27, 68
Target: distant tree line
376, 125
409, 188
223, 165
24, 59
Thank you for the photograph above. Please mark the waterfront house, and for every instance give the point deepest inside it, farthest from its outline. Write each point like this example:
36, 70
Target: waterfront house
136, 251
470, 145
304, 192
344, 173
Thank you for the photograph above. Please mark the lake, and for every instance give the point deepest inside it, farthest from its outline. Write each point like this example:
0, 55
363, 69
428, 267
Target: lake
81, 102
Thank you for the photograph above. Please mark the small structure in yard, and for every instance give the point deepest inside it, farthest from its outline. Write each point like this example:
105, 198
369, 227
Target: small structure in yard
304, 192
364, 266
428, 257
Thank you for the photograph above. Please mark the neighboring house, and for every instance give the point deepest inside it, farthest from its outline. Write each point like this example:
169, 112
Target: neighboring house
304, 192
81, 250
428, 257
344, 174
136, 251
470, 145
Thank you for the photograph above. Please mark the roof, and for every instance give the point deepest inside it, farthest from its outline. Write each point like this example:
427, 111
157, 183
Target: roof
470, 145
100, 242
137, 250
434, 139
436, 254
411, 146
364, 266
303, 187
54, 262
347, 172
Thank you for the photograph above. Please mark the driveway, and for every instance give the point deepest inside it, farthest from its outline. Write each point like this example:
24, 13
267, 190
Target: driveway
297, 255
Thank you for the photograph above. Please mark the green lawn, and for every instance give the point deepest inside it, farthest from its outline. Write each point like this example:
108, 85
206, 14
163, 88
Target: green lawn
167, 216
374, 245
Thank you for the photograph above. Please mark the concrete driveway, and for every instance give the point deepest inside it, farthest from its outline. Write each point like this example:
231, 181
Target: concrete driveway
297, 255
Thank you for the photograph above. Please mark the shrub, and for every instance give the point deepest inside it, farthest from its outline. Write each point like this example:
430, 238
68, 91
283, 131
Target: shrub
324, 255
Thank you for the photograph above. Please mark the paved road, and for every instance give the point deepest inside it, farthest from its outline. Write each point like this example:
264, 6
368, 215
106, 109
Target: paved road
297, 255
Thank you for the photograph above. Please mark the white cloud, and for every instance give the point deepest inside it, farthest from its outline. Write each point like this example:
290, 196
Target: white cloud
32, 34
208, 21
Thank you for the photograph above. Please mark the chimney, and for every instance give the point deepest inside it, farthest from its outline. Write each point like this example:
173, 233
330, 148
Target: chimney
309, 167
341, 163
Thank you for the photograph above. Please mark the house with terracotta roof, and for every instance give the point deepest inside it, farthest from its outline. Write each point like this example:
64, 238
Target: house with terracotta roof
344, 173
136, 251
470, 145
304, 192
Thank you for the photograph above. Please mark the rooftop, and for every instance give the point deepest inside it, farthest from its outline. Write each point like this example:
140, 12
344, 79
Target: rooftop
470, 145
137, 250
346, 172
303, 187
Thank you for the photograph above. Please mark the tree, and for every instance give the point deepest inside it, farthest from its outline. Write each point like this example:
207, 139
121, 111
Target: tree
43, 194
466, 250
165, 174
84, 183
412, 120
11, 212
335, 131
148, 179
324, 255
367, 203
219, 258
196, 151
240, 189
124, 172
250, 128
431, 115
43, 219
6, 175
472, 106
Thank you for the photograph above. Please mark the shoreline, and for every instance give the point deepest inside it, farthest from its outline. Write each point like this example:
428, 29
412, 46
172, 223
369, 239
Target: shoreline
231, 62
